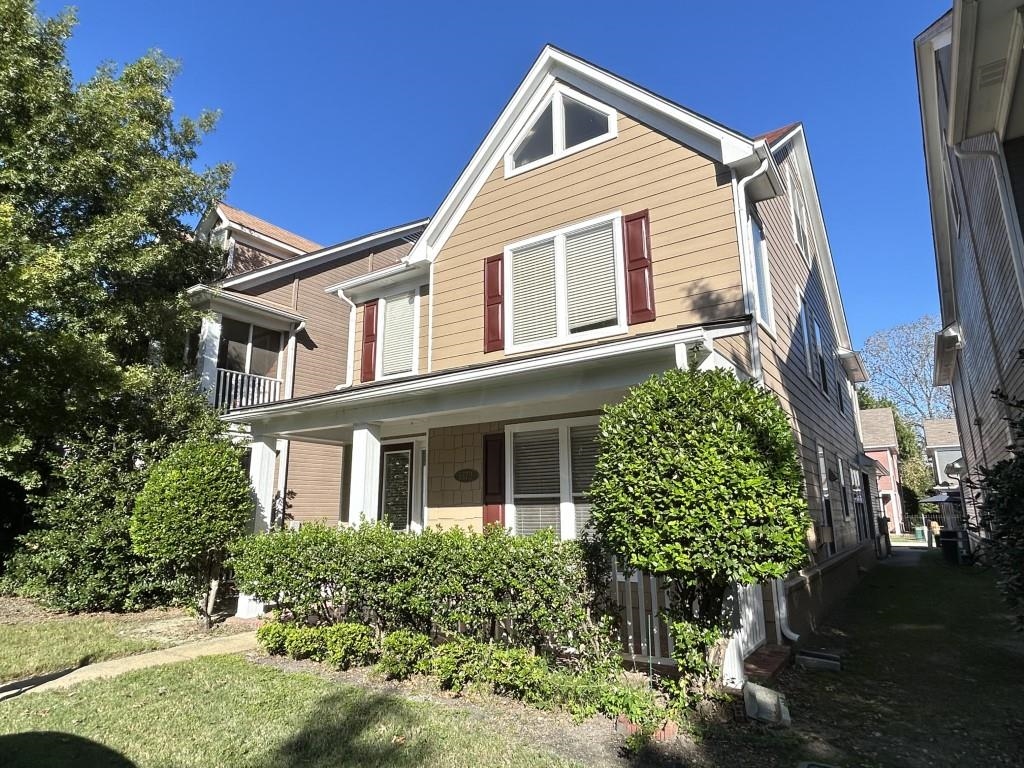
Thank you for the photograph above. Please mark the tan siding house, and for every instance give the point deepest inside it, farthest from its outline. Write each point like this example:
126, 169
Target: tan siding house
452, 372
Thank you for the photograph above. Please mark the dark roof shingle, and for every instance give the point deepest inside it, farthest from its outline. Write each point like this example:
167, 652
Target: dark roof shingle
255, 223
878, 428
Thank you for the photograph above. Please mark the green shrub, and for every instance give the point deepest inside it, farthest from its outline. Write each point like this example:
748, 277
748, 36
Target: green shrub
195, 502
698, 482
273, 636
460, 663
518, 673
348, 644
404, 653
80, 555
530, 591
302, 642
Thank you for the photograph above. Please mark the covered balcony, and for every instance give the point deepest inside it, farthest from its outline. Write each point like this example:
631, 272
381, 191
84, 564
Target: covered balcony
246, 348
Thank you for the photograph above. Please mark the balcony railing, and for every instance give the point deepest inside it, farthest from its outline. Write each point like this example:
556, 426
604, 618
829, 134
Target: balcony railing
240, 390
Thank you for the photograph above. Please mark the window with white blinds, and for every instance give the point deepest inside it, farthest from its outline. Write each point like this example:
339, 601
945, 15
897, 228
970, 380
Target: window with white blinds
399, 334
567, 285
551, 467
534, 315
536, 481
590, 278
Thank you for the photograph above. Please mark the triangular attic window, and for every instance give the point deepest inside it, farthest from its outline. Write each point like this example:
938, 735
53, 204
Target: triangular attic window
565, 124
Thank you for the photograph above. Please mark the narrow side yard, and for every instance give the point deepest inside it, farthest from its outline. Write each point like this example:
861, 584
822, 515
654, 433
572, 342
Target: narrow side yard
932, 676
228, 712
36, 641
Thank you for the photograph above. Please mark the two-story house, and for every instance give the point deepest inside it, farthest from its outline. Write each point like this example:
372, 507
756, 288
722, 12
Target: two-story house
972, 114
451, 372
878, 432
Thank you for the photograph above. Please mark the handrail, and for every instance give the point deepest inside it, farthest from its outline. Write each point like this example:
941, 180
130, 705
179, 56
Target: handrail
241, 390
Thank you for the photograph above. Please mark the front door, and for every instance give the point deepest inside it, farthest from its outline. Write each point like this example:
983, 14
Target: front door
396, 471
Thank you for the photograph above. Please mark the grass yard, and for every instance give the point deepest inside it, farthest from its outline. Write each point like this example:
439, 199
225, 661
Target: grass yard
225, 711
35, 641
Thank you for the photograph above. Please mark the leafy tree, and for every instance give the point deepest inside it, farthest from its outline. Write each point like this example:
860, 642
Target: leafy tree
80, 557
900, 361
96, 188
698, 482
194, 504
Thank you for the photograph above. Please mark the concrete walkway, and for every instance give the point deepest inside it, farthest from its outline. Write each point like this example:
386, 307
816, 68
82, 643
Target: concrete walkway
245, 641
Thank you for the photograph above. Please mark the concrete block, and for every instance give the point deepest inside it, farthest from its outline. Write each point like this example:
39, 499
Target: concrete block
765, 705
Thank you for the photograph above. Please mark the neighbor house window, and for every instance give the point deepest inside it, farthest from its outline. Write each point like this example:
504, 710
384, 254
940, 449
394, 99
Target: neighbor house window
761, 273
823, 357
550, 468
566, 285
807, 333
568, 122
398, 331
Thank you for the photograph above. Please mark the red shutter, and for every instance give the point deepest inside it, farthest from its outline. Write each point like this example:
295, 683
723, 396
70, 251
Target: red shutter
494, 298
494, 479
636, 237
369, 359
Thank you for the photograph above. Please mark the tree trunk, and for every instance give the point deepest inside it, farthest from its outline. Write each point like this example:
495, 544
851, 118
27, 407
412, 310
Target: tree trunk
211, 595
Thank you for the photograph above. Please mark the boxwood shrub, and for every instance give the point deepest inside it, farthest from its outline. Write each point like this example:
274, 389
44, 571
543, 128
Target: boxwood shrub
404, 653
533, 592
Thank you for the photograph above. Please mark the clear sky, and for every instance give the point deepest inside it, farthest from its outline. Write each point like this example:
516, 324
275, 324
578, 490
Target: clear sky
342, 118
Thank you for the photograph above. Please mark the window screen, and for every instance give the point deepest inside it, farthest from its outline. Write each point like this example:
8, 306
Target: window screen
536, 481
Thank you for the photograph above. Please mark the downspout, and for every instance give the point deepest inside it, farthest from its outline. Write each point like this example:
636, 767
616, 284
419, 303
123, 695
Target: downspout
350, 358
743, 215
782, 612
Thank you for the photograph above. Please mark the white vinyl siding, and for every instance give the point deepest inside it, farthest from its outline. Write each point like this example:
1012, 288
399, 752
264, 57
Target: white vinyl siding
590, 278
566, 285
399, 334
550, 466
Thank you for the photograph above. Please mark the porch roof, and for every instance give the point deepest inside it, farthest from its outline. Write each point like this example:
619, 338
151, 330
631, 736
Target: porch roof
242, 307
567, 381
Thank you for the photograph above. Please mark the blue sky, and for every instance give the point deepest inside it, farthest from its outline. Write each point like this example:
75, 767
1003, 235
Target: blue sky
343, 118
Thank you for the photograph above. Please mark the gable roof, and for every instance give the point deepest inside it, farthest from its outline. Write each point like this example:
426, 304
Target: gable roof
724, 145
772, 136
878, 428
410, 232
940, 432
248, 221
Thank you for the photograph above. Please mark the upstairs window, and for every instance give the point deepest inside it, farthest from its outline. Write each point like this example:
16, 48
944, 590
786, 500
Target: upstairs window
398, 331
823, 358
568, 122
761, 274
247, 348
802, 233
566, 286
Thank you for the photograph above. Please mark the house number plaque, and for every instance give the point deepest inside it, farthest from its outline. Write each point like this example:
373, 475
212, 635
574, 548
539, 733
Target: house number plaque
467, 475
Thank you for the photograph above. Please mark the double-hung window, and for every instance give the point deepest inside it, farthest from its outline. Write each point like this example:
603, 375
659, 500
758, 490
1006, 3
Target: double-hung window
801, 218
398, 330
566, 285
761, 274
823, 357
550, 469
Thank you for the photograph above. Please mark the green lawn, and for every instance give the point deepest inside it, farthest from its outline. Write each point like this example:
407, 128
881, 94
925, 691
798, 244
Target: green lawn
54, 644
224, 711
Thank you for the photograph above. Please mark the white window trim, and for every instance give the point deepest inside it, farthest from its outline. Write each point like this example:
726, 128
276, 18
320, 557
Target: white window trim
765, 315
418, 476
846, 499
558, 138
796, 192
562, 335
566, 506
379, 362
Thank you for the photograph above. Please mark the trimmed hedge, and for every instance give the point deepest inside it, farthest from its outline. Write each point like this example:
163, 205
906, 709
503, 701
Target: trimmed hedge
532, 591
340, 645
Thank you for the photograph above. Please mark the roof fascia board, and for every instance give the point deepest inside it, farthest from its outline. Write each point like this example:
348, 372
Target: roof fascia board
925, 47
255, 234
964, 31
552, 65
1009, 86
275, 271
391, 278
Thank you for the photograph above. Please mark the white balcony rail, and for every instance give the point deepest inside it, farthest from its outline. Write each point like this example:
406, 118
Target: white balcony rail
240, 390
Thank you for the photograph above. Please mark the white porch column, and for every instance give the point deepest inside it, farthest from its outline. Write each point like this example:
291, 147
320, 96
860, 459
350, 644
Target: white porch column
261, 475
209, 349
363, 488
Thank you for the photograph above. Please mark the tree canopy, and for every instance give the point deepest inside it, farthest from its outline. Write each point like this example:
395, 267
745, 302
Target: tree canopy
97, 187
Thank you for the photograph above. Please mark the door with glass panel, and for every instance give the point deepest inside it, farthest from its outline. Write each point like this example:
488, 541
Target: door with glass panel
396, 485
